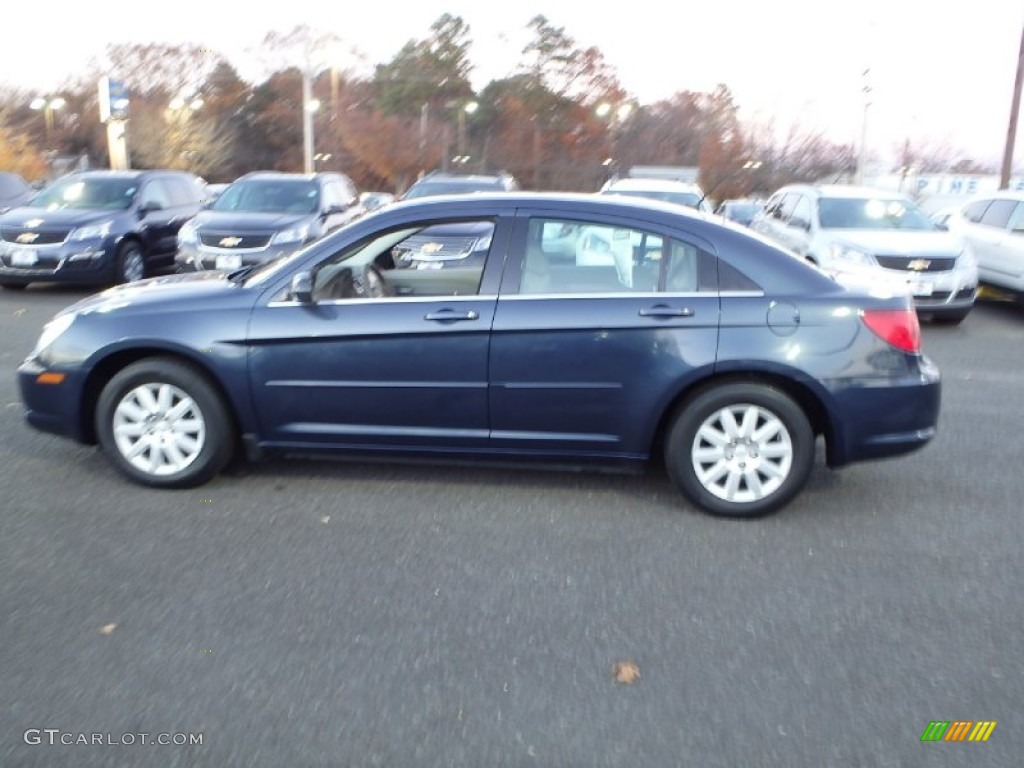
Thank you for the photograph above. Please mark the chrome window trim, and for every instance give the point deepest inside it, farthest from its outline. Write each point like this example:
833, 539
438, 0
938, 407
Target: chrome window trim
388, 300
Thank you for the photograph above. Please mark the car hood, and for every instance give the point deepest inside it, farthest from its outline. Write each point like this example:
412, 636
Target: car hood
895, 242
175, 290
249, 221
30, 218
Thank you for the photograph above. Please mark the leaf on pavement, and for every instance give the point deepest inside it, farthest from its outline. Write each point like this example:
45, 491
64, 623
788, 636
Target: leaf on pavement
625, 672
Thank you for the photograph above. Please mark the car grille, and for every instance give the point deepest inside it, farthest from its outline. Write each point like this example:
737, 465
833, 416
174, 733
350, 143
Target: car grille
213, 240
921, 263
42, 236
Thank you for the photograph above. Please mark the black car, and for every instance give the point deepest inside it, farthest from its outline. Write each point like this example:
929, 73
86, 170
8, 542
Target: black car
98, 227
438, 183
264, 215
14, 191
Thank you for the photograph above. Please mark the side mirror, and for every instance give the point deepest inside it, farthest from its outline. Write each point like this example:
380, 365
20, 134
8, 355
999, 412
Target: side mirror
302, 288
800, 224
151, 205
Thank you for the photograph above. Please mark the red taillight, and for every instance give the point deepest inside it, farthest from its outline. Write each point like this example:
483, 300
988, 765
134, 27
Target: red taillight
898, 327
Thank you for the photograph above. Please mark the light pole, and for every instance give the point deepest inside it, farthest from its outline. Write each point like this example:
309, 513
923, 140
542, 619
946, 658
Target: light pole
182, 135
469, 108
309, 107
48, 105
616, 115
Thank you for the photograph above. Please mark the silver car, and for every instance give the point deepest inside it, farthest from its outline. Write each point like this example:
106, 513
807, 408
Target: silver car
876, 236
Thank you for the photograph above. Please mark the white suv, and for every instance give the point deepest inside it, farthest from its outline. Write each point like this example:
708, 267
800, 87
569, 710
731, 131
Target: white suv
993, 225
877, 235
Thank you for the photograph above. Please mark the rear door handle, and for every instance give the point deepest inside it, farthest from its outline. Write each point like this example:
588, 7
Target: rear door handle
663, 310
451, 316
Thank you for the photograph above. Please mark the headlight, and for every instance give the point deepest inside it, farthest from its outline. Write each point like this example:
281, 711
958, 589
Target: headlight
291, 235
52, 331
91, 232
851, 255
188, 233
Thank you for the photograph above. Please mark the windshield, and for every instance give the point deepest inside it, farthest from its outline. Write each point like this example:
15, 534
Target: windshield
679, 198
871, 213
270, 196
102, 193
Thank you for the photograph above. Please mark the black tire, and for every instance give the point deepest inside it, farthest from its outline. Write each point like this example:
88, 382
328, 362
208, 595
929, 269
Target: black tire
767, 472
131, 264
13, 286
196, 412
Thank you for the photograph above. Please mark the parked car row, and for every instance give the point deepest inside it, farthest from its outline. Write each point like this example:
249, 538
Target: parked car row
878, 237
104, 227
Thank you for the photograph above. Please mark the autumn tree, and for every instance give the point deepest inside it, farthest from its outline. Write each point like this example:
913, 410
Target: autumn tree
17, 154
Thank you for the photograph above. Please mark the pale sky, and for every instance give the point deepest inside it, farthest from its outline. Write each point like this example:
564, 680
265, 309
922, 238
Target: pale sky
938, 72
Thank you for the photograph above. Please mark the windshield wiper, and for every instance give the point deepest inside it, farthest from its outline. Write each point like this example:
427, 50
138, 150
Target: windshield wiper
237, 274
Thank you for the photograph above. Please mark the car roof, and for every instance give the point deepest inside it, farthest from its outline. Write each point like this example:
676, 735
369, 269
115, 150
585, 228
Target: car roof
842, 190
1000, 194
282, 176
667, 185
465, 177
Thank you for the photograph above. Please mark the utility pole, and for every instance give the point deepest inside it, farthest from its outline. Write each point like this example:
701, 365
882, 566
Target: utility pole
1011, 132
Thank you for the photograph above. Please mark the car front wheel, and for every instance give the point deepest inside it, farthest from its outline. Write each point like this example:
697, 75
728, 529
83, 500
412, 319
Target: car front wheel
740, 450
131, 266
164, 425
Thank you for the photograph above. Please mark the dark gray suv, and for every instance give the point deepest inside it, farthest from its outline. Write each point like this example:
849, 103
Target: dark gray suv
98, 227
264, 215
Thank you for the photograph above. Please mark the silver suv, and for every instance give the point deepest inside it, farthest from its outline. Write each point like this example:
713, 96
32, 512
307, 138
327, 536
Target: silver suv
877, 235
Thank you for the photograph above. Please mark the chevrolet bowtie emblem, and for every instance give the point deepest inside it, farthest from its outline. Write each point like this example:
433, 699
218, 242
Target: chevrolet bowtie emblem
432, 247
27, 237
230, 242
919, 265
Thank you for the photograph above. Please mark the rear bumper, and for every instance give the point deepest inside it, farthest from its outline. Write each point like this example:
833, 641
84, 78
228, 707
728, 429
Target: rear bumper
887, 417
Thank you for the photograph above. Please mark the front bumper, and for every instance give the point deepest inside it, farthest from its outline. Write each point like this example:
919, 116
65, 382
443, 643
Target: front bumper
192, 258
52, 407
82, 261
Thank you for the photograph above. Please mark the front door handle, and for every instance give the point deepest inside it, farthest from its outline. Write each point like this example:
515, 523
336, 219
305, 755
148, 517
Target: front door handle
663, 310
451, 316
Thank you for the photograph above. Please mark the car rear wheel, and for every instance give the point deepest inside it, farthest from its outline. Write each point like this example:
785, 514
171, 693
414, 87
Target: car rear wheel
164, 425
131, 266
740, 450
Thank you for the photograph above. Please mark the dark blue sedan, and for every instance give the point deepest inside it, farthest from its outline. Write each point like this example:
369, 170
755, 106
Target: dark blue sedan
597, 331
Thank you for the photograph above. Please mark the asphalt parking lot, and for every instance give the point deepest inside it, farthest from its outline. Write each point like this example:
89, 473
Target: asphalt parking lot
311, 613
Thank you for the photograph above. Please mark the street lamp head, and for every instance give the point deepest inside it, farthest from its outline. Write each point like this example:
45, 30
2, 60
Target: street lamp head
624, 111
312, 105
603, 109
57, 103
471, 107
38, 103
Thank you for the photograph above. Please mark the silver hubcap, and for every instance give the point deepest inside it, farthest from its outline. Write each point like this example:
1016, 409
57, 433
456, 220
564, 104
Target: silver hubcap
133, 267
159, 429
742, 453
